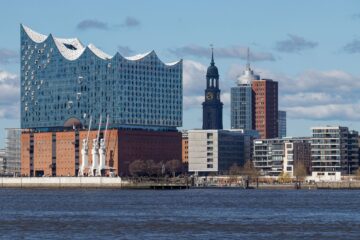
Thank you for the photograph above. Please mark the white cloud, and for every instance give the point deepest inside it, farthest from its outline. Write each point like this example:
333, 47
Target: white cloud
9, 95
344, 112
222, 52
194, 80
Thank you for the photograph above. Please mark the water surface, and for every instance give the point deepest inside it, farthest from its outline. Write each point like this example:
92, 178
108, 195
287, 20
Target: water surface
191, 214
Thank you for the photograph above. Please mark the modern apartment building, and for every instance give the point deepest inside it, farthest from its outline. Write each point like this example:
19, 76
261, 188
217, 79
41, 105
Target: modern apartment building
215, 150
275, 156
335, 151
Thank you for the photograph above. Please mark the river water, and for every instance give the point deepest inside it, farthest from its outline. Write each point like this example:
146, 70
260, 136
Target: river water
179, 214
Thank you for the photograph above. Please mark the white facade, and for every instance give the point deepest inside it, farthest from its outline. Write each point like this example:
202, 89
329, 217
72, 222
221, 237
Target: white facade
325, 177
203, 150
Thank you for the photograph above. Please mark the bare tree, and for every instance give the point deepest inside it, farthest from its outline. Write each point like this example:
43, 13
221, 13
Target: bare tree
137, 168
249, 170
235, 169
300, 171
153, 168
284, 177
173, 166
357, 174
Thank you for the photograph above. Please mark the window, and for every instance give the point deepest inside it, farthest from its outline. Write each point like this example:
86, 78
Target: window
209, 166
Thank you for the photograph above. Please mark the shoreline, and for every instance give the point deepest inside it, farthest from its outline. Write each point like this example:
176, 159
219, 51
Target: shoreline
118, 183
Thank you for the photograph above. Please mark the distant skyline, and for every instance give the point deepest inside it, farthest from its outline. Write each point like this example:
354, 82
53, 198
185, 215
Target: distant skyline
311, 48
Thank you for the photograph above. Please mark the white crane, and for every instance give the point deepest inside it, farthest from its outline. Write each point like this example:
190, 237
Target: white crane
95, 152
102, 150
84, 152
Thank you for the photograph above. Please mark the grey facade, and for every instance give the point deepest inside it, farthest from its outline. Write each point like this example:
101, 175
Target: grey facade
215, 150
64, 82
334, 149
2, 161
282, 124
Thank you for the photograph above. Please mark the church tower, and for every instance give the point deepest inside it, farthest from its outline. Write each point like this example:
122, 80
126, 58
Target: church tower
212, 106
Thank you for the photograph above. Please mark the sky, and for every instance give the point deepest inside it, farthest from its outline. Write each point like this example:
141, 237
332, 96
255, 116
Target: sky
312, 48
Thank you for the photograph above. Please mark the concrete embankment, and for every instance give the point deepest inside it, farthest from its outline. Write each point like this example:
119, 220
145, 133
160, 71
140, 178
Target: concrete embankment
82, 182
339, 185
62, 182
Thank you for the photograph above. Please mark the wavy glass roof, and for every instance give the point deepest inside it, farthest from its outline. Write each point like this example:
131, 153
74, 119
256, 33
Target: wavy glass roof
71, 48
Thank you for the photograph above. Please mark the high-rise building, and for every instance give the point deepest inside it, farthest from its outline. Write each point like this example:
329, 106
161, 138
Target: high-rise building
215, 150
241, 100
64, 82
265, 108
212, 106
282, 124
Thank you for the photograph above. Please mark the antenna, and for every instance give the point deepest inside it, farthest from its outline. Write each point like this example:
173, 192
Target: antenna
248, 58
212, 54
98, 133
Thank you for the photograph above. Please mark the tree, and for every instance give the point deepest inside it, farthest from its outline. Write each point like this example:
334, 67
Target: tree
137, 168
284, 177
357, 174
300, 171
153, 168
173, 166
235, 169
249, 170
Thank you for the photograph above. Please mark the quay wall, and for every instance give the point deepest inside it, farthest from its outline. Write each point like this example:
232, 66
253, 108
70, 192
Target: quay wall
339, 185
63, 182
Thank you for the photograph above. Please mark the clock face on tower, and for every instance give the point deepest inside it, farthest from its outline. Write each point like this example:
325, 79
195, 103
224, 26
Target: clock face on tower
209, 96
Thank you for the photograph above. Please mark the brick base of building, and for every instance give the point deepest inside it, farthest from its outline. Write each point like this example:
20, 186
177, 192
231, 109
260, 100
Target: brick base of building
59, 153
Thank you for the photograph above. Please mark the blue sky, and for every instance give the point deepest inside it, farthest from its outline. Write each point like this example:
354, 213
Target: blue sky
311, 47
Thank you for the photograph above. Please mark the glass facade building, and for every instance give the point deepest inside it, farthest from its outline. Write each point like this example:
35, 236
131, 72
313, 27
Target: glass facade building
242, 102
63, 83
282, 124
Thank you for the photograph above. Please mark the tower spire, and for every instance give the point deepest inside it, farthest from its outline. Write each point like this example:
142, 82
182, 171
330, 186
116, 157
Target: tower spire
212, 55
248, 58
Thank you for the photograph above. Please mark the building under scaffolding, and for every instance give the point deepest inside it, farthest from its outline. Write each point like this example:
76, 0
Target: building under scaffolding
12, 151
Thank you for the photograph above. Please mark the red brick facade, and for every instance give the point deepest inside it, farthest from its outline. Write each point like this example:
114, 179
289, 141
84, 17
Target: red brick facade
59, 153
265, 108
